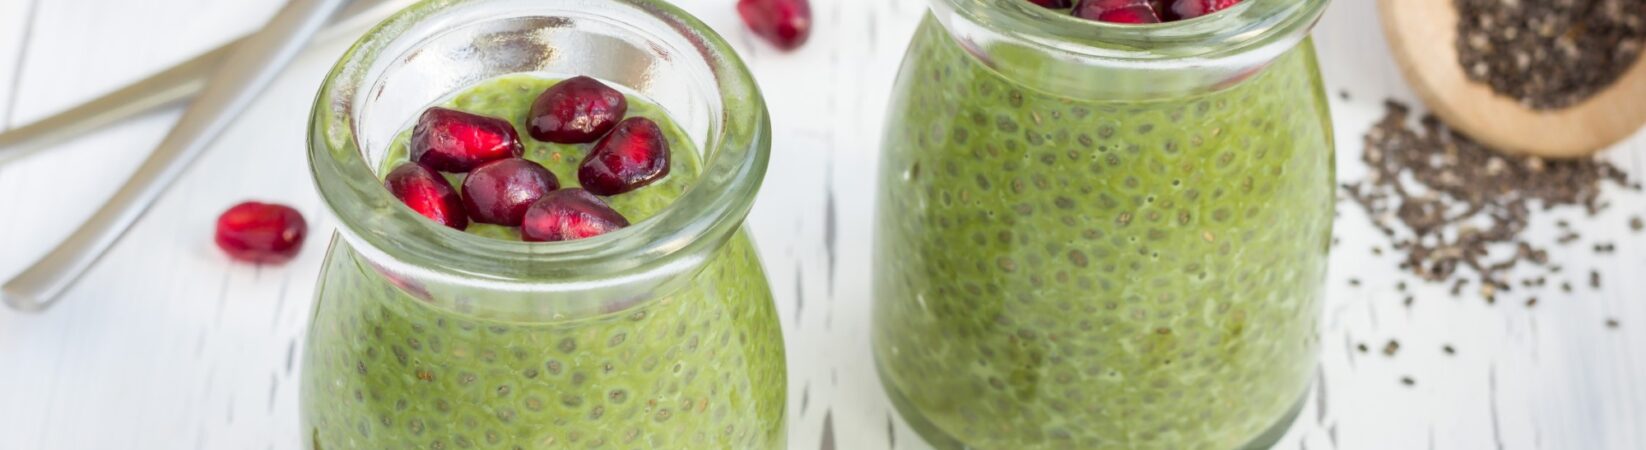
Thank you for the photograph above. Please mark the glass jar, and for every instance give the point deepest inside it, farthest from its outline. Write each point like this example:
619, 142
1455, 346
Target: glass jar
659, 335
1103, 236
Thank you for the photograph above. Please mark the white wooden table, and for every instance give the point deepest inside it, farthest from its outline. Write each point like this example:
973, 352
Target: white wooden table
168, 345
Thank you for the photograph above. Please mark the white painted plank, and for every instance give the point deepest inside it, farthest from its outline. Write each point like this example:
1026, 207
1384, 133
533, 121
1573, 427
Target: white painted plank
15, 16
84, 48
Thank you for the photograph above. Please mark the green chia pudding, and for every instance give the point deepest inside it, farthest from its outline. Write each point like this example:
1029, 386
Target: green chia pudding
1058, 273
701, 366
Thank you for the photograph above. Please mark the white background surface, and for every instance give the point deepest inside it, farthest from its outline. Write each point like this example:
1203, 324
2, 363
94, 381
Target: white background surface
168, 345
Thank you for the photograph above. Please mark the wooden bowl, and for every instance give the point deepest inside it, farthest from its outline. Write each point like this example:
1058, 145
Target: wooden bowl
1422, 34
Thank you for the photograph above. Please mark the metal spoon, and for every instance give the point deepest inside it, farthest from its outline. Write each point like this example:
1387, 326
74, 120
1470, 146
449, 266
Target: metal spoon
236, 83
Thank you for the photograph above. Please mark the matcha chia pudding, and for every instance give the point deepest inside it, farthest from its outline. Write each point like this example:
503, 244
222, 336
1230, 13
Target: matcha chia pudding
1104, 254
540, 260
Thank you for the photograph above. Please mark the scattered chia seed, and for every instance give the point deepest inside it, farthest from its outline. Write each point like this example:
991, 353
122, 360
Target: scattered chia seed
1408, 381
1390, 348
1361, 347
1636, 224
1549, 54
1530, 302
1354, 281
1456, 209
1567, 238
1407, 302
1448, 349
1594, 279
1611, 323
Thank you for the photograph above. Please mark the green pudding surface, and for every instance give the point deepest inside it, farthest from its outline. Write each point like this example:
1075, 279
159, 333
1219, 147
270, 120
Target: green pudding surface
1066, 273
700, 367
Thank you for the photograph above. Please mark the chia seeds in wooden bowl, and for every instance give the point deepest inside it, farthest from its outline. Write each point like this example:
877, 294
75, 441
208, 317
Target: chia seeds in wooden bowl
1549, 54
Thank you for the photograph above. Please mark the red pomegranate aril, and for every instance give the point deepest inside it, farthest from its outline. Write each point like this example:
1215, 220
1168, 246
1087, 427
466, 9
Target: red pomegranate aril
784, 23
263, 233
635, 154
406, 284
577, 110
499, 192
454, 141
428, 193
569, 214
1117, 11
1189, 9
1052, 4
1163, 10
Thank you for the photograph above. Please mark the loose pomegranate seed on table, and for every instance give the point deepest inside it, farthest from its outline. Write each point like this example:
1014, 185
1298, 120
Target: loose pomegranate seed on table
428, 193
263, 233
576, 111
454, 141
499, 192
569, 214
635, 154
784, 23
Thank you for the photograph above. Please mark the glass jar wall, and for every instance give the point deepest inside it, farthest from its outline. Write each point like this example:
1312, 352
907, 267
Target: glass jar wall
1103, 236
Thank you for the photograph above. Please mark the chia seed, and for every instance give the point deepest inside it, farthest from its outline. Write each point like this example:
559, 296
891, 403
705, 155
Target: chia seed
1549, 54
1456, 210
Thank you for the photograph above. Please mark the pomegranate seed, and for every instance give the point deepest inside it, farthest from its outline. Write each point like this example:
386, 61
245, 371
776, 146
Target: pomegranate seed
261, 232
784, 23
1238, 77
1051, 4
1189, 9
455, 141
634, 155
1117, 11
1162, 9
428, 193
499, 192
576, 111
569, 214
407, 285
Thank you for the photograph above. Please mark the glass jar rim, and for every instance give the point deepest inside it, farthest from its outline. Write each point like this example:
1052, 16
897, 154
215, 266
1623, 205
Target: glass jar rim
376, 224
1247, 25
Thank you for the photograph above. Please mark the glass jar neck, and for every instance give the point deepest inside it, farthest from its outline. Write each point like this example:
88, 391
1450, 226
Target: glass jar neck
436, 47
1055, 52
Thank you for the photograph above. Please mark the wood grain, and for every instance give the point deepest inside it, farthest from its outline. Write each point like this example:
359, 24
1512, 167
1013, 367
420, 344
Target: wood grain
167, 345
1423, 33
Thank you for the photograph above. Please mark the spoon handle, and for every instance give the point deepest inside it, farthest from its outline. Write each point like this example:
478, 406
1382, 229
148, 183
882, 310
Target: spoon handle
230, 90
168, 87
